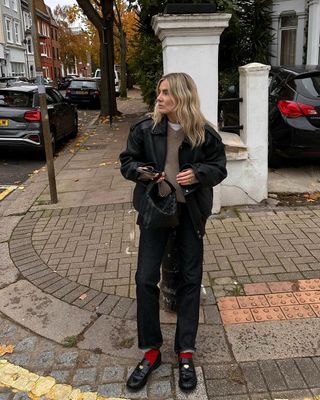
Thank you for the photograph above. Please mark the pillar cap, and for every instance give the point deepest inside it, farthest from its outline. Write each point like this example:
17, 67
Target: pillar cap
192, 24
254, 67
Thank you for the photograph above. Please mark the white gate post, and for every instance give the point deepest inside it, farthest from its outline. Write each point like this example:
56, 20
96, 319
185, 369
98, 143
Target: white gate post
254, 118
190, 44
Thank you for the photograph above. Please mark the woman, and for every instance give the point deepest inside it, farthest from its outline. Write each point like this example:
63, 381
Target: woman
178, 142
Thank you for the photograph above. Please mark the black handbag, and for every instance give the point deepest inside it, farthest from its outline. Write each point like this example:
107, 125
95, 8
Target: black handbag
156, 211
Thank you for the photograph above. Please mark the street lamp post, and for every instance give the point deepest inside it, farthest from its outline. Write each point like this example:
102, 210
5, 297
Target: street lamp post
25, 42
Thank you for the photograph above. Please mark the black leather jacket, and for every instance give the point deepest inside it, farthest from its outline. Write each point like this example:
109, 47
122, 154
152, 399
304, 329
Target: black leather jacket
147, 145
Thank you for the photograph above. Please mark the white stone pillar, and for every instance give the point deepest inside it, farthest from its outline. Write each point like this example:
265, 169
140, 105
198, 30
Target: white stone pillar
190, 44
254, 118
313, 32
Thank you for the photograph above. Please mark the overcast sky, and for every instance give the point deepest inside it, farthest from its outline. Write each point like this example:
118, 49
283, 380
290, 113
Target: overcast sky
53, 3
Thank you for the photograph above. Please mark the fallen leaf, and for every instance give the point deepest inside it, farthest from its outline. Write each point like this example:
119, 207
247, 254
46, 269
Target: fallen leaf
6, 348
102, 164
83, 296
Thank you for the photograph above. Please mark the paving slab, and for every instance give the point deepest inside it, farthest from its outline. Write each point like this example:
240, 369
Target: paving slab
274, 339
42, 313
197, 394
7, 225
118, 338
20, 202
8, 272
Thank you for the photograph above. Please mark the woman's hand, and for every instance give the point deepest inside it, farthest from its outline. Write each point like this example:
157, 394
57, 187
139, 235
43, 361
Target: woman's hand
186, 177
160, 177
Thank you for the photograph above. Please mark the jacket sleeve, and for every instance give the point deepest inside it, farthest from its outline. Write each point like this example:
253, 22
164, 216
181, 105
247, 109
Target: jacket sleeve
212, 170
133, 156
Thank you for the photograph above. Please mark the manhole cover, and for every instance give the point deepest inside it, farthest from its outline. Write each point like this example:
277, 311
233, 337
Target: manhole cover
5, 190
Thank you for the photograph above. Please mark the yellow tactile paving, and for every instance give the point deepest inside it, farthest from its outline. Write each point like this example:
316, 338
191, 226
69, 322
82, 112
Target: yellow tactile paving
20, 379
287, 300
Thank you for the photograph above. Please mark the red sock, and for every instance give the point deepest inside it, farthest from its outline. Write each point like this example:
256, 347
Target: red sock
185, 355
151, 355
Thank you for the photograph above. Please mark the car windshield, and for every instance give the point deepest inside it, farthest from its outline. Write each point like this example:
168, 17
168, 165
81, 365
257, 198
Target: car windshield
12, 98
83, 85
310, 86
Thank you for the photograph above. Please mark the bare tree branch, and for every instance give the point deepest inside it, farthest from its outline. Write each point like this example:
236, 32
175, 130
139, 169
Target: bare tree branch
91, 13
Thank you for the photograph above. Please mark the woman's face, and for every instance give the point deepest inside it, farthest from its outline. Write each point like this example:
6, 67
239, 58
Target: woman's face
165, 102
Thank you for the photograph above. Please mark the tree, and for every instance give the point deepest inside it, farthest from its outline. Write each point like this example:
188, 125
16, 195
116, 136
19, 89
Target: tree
247, 39
100, 14
125, 21
73, 44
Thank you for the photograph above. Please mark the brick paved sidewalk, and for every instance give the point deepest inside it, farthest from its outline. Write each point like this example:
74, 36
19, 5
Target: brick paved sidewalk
81, 253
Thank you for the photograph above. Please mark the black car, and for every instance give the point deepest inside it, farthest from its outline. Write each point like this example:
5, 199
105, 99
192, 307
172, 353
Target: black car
64, 82
84, 91
20, 117
294, 112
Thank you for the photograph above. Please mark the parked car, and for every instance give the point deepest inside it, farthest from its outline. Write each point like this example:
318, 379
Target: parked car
20, 117
294, 113
97, 75
6, 81
84, 91
64, 82
46, 81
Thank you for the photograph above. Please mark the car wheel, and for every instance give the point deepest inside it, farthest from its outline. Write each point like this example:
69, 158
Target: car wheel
274, 160
74, 132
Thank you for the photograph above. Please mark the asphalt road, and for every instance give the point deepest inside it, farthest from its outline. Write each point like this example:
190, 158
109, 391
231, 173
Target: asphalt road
16, 166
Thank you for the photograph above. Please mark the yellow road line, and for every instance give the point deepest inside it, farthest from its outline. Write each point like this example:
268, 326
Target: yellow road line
45, 387
7, 191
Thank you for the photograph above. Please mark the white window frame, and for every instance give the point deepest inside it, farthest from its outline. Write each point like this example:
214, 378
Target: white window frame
14, 5
8, 28
26, 20
43, 46
292, 28
16, 31
43, 29
18, 69
6, 3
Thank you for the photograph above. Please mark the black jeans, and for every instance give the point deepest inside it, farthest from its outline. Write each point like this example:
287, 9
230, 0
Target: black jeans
151, 250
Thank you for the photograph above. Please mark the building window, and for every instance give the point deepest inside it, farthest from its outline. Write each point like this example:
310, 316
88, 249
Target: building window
27, 20
43, 49
6, 3
29, 46
14, 5
8, 25
17, 69
17, 37
288, 28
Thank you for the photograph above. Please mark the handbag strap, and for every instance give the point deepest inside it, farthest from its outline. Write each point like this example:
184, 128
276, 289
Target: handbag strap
153, 183
173, 189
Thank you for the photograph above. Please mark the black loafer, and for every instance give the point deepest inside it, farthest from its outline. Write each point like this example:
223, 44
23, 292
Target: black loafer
140, 374
187, 374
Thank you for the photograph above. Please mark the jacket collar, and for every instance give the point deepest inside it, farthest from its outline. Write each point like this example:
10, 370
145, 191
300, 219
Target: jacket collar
161, 127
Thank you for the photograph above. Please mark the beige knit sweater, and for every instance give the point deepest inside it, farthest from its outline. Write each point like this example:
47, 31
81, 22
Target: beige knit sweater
171, 168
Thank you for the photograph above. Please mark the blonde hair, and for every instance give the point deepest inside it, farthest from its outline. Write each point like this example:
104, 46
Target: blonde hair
184, 91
